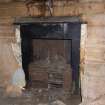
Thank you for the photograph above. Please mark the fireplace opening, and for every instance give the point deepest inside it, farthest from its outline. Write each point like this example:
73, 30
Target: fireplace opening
51, 55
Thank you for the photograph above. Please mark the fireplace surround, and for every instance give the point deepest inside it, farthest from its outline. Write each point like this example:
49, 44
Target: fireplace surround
50, 29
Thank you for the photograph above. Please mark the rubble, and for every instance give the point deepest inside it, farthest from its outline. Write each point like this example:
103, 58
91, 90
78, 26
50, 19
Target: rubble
58, 102
56, 72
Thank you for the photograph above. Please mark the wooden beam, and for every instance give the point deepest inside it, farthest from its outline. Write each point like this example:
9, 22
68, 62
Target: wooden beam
27, 20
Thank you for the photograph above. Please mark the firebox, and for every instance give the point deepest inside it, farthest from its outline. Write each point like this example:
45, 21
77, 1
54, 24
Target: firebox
51, 53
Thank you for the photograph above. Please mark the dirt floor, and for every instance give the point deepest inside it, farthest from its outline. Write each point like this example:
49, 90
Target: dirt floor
41, 97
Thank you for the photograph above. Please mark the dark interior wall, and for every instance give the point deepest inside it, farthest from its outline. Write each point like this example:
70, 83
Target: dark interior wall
26, 45
42, 49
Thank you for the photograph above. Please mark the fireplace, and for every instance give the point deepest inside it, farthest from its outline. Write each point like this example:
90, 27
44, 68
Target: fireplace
51, 54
